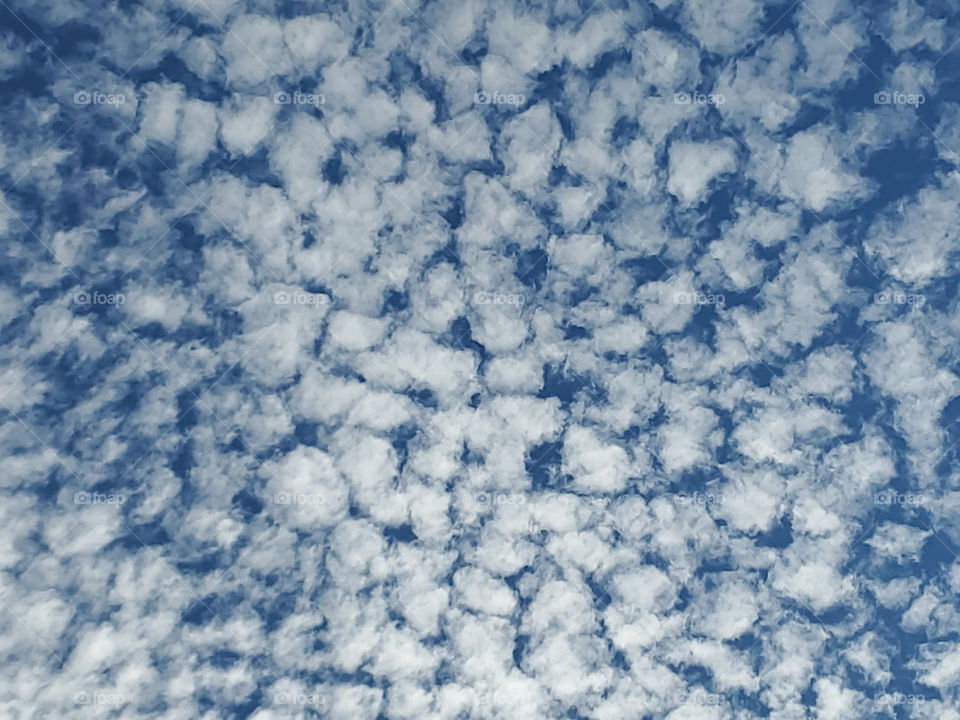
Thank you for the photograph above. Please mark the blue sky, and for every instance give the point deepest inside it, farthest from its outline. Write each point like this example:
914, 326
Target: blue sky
480, 360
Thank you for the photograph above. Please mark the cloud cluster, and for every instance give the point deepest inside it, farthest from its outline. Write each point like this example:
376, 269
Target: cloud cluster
397, 360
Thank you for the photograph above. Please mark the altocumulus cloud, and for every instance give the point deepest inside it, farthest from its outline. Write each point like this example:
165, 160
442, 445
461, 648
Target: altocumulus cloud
400, 360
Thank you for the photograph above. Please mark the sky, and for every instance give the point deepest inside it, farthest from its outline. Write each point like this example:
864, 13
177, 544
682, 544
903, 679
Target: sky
449, 360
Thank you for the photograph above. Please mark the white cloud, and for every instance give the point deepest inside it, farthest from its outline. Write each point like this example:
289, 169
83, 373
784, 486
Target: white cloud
814, 173
694, 165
